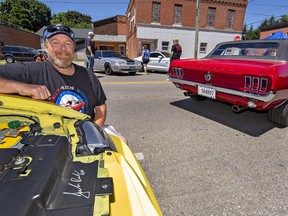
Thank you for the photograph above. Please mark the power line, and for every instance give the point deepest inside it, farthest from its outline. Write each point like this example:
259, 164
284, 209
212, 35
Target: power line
83, 2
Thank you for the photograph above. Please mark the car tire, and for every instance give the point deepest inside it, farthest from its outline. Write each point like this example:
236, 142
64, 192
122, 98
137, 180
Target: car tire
279, 115
9, 59
198, 97
108, 69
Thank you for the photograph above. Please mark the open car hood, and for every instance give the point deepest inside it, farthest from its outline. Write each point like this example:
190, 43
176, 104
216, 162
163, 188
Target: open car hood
55, 162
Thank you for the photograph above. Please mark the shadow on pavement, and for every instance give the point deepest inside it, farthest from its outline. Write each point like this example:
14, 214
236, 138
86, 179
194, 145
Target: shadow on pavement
250, 122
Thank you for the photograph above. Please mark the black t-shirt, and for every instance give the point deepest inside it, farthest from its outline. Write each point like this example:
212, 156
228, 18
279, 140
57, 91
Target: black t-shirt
68, 91
177, 51
89, 42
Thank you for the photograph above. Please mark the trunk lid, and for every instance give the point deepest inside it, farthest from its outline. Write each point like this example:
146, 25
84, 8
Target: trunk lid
226, 73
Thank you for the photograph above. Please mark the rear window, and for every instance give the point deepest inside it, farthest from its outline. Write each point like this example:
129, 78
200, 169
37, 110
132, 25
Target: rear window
6, 49
249, 50
112, 54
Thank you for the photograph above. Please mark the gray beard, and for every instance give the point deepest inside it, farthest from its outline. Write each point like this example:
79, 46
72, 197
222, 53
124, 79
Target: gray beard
60, 64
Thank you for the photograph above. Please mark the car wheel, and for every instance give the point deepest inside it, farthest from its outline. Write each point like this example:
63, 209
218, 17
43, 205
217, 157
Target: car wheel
198, 97
279, 115
9, 59
108, 69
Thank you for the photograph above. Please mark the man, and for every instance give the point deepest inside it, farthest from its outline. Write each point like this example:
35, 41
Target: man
58, 79
145, 57
90, 50
176, 50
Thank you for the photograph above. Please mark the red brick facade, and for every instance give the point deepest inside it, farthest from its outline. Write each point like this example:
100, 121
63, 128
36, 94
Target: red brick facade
14, 36
111, 26
140, 12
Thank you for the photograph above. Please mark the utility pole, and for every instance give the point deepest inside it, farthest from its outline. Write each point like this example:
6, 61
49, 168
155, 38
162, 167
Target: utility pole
197, 28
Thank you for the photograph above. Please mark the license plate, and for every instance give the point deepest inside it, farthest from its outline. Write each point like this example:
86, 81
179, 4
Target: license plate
207, 92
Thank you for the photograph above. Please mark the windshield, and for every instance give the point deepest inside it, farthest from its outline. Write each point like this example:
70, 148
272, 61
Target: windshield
112, 54
166, 54
260, 50
32, 50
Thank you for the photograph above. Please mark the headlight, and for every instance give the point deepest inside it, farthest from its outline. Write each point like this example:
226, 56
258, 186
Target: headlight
120, 63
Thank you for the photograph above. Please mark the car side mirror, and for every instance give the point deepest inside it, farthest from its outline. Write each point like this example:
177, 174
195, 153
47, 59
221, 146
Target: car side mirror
160, 56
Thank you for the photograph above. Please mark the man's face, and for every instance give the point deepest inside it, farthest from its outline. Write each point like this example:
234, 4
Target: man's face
60, 49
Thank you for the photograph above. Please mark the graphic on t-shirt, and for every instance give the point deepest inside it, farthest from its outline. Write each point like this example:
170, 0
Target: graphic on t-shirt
72, 98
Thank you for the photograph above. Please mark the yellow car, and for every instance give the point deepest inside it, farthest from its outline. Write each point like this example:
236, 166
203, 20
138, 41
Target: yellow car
54, 161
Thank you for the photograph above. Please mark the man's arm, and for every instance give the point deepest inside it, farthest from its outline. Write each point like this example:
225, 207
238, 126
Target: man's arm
34, 91
100, 114
90, 50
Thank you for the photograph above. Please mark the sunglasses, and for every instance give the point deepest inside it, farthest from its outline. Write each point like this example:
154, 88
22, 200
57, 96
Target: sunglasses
58, 29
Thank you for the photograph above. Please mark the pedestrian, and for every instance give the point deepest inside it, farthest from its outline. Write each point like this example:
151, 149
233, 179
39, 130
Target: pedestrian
58, 80
145, 57
90, 50
176, 50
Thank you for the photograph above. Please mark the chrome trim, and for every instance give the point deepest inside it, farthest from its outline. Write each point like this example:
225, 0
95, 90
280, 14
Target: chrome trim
265, 98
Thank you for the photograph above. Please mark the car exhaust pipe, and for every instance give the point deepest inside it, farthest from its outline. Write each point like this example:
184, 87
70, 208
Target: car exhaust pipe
238, 109
189, 94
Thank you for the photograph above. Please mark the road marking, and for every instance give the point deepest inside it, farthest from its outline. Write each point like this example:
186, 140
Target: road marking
139, 156
133, 83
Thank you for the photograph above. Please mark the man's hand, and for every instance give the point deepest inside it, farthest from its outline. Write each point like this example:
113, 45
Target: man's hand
35, 91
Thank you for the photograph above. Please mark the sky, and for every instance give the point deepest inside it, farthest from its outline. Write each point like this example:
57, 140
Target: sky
256, 11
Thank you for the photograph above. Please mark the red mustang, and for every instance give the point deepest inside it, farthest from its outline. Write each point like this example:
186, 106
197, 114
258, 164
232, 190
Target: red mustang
246, 74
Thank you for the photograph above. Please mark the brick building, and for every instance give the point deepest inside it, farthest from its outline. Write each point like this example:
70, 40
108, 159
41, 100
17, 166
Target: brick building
156, 22
272, 29
110, 34
14, 36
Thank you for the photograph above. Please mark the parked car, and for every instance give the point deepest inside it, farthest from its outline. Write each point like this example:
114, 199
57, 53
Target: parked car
158, 61
18, 53
54, 161
247, 74
111, 61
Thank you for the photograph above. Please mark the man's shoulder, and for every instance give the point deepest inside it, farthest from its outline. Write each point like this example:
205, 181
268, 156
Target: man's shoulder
83, 69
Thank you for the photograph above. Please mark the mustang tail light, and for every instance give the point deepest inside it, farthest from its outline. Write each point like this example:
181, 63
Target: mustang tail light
177, 72
256, 84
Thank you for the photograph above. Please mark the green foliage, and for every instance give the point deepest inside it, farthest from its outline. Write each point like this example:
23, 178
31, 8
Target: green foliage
27, 14
72, 19
253, 34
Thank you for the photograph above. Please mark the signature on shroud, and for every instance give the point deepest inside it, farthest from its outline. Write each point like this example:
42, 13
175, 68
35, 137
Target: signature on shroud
75, 184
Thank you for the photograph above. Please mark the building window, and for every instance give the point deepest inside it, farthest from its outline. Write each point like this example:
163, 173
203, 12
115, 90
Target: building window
203, 47
230, 19
211, 17
165, 45
156, 12
177, 14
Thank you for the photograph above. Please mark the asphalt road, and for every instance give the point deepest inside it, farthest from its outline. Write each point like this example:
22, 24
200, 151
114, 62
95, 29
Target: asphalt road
200, 157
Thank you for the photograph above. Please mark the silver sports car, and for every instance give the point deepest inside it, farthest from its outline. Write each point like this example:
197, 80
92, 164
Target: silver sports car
111, 61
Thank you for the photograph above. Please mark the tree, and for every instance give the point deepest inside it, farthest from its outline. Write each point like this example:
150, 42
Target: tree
283, 18
28, 14
255, 33
72, 19
252, 34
